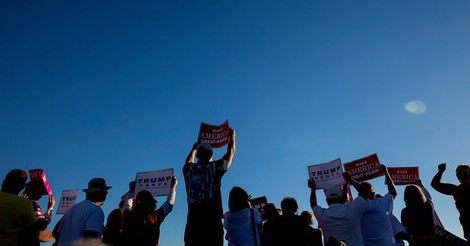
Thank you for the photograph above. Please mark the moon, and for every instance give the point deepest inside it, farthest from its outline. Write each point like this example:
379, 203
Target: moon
415, 107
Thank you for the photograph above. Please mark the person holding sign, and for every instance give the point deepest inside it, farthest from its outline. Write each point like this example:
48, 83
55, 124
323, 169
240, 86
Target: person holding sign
85, 219
34, 191
340, 220
461, 193
141, 225
376, 224
17, 223
203, 182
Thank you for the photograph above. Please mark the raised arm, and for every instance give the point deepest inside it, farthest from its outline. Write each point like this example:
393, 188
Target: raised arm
388, 180
443, 188
170, 200
192, 153
230, 148
313, 193
361, 190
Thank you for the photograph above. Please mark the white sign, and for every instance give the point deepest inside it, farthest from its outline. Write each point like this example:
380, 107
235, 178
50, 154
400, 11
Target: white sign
157, 182
327, 174
67, 200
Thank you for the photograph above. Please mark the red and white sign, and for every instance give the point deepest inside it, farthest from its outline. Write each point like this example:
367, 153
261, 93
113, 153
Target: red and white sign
327, 174
67, 200
364, 169
39, 175
404, 175
216, 136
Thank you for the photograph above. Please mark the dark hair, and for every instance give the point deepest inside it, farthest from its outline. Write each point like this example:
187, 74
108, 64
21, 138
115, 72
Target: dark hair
15, 181
307, 216
238, 199
97, 196
145, 202
413, 196
289, 205
34, 189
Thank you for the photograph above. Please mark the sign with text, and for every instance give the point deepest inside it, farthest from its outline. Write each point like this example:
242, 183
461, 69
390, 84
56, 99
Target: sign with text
156, 182
39, 175
404, 175
364, 169
216, 136
67, 200
327, 174
259, 203
448, 239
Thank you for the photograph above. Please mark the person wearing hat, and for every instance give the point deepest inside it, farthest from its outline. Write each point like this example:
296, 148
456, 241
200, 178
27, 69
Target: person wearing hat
17, 219
376, 222
340, 220
85, 219
141, 224
203, 182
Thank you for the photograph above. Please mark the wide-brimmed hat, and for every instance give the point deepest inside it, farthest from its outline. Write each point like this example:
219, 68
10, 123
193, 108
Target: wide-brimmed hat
97, 184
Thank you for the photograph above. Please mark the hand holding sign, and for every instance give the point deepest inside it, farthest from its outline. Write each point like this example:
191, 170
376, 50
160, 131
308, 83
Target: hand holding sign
311, 184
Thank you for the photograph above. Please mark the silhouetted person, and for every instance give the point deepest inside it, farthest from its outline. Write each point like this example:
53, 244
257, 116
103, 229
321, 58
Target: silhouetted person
17, 221
417, 217
141, 225
203, 182
270, 215
34, 191
289, 228
461, 193
112, 229
315, 238
85, 219
376, 224
340, 220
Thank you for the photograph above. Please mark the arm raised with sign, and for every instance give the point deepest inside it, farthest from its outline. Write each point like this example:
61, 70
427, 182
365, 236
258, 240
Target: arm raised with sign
313, 194
388, 180
361, 190
192, 153
230, 148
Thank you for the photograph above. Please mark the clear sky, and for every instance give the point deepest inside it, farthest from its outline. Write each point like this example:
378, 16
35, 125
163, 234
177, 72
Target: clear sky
110, 88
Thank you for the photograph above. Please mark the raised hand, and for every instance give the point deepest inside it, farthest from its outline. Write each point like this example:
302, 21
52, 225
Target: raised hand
442, 167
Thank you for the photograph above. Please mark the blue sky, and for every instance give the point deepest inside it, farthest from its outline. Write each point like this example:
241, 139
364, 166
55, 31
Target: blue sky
110, 88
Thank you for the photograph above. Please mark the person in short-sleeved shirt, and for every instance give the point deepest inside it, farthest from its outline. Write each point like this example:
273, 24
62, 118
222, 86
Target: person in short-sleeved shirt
85, 219
203, 183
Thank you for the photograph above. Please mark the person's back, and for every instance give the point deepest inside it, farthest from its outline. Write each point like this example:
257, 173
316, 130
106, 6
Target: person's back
16, 213
289, 229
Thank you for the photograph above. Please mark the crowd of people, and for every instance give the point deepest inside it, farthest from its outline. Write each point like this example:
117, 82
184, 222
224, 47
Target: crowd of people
366, 220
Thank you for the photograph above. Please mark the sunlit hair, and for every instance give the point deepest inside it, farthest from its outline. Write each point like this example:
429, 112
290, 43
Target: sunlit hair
289, 205
463, 172
238, 199
413, 196
307, 216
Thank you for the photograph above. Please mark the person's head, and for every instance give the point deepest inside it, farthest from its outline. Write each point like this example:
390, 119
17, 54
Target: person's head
204, 152
97, 190
15, 181
334, 195
307, 216
289, 205
463, 173
145, 202
368, 186
270, 212
238, 199
413, 196
131, 185
34, 190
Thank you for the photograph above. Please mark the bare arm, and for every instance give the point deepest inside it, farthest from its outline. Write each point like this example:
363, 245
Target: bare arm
230, 148
313, 193
388, 180
190, 158
443, 188
364, 192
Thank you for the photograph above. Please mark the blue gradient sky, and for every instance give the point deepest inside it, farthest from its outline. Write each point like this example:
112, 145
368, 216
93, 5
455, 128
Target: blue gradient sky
109, 88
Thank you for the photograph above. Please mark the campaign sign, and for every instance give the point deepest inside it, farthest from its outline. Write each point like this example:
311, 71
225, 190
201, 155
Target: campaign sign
67, 200
364, 169
156, 182
448, 239
404, 175
327, 174
259, 203
39, 175
216, 136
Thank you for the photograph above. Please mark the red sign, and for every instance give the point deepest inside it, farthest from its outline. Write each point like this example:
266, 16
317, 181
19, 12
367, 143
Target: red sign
39, 175
364, 169
216, 136
403, 175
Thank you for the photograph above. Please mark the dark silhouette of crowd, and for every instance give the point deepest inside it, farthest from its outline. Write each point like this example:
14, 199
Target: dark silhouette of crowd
365, 220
